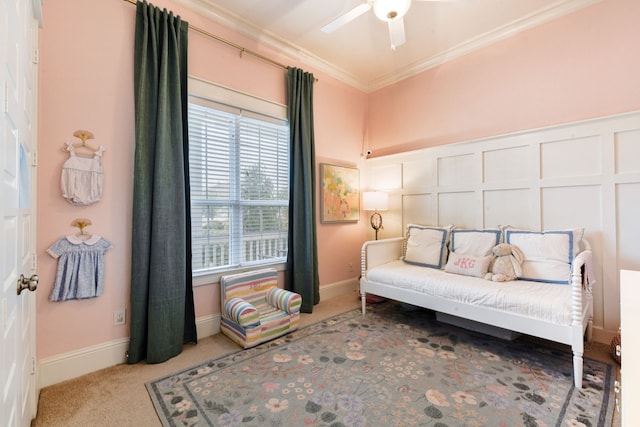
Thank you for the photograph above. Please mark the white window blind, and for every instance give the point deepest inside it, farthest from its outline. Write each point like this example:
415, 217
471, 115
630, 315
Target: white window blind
239, 176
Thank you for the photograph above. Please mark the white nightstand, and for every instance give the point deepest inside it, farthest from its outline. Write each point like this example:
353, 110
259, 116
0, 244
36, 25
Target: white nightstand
630, 347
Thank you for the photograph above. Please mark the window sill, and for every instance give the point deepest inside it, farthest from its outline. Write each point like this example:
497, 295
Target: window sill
211, 278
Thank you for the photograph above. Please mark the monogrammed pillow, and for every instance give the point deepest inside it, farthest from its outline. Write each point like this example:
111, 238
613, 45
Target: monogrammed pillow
467, 265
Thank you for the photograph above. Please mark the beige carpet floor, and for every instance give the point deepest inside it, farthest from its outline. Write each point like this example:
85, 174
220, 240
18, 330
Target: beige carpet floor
117, 396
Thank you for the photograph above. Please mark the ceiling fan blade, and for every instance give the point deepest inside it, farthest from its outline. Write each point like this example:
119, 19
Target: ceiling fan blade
396, 33
347, 17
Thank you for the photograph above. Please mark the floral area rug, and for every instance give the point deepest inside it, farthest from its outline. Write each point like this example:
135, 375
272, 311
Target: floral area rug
389, 368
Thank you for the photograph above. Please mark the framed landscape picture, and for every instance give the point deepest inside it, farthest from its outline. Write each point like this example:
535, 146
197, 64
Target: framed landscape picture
340, 193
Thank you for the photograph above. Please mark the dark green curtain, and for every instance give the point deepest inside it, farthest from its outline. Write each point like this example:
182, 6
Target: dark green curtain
302, 258
162, 309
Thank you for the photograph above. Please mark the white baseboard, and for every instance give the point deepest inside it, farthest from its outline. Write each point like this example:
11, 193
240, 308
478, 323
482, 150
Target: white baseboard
53, 370
336, 289
603, 336
208, 325
63, 367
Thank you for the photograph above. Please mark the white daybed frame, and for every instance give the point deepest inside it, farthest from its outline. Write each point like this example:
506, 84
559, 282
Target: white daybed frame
378, 252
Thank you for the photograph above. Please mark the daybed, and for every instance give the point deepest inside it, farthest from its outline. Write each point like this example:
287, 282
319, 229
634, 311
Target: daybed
551, 299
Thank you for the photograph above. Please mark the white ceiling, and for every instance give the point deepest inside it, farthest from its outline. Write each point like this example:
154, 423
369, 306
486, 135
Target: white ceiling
359, 53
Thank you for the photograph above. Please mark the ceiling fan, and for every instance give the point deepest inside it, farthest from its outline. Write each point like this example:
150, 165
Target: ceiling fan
391, 11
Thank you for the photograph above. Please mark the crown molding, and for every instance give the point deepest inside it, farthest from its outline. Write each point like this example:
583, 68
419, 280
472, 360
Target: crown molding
552, 12
210, 10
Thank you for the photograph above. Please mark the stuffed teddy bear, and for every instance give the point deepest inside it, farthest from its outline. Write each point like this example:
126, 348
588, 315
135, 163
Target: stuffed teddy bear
506, 264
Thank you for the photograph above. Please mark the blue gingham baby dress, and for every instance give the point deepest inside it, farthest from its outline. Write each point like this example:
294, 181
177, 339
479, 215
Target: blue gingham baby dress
80, 267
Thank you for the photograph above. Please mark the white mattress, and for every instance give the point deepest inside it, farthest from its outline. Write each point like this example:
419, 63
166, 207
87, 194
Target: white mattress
542, 301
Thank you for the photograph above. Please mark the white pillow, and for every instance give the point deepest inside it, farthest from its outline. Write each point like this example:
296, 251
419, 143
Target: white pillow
474, 242
426, 245
467, 265
548, 255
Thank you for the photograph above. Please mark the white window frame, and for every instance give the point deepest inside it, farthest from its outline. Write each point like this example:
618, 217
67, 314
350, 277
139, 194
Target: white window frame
199, 88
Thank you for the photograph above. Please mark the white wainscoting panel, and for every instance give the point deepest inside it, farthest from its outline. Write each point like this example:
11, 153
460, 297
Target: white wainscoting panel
627, 152
416, 175
628, 231
506, 166
571, 157
457, 170
509, 207
584, 174
418, 209
387, 177
449, 207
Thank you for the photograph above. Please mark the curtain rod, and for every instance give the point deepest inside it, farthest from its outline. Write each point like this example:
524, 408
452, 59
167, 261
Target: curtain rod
230, 43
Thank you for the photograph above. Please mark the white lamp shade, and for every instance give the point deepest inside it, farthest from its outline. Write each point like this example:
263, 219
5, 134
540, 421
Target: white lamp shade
375, 201
389, 10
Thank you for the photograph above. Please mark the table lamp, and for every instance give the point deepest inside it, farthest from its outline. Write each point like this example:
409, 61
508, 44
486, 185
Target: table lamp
375, 201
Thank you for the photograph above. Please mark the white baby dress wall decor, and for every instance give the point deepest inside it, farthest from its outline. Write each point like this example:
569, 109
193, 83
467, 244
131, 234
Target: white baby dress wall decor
81, 179
80, 258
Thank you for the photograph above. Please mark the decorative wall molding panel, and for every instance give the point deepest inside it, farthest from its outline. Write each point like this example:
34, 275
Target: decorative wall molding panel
584, 174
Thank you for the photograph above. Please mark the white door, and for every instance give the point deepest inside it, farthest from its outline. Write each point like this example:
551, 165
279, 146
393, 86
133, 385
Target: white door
18, 86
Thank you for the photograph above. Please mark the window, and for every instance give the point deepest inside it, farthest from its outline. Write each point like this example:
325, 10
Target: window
239, 176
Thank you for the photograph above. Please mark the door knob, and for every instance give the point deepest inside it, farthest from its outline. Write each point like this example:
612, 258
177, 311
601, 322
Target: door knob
31, 283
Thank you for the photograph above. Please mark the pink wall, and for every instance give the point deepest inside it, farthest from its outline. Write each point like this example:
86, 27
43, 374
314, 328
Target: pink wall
582, 66
86, 82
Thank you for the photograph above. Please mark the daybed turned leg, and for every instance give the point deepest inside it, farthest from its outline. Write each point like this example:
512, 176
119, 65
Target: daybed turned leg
364, 303
590, 330
577, 369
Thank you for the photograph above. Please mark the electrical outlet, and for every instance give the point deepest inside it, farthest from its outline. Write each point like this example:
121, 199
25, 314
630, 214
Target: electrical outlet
119, 317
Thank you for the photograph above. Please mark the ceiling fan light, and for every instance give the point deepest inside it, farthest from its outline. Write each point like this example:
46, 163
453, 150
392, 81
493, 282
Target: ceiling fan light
389, 10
